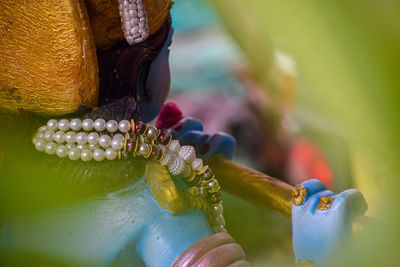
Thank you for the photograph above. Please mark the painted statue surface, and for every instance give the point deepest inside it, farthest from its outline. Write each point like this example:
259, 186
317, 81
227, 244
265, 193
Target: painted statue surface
81, 62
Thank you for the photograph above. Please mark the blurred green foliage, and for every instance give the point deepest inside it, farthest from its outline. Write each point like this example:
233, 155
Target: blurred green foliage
347, 55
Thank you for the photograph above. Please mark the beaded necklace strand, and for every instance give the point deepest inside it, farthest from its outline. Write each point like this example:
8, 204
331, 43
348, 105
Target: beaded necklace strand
99, 140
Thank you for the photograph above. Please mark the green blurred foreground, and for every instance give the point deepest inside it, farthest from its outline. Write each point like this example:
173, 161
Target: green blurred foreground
347, 55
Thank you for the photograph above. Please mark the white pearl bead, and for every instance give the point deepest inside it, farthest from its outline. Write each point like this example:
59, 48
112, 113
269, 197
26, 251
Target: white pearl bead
112, 126
40, 144
40, 135
70, 146
124, 126
105, 141
99, 125
197, 164
111, 154
117, 143
59, 137
87, 125
75, 124
174, 146
70, 137
63, 125
34, 139
62, 151
93, 146
50, 148
151, 132
48, 136
120, 136
99, 155
86, 155
81, 146
144, 149
74, 154
93, 138
52, 125
42, 129
81, 138
187, 153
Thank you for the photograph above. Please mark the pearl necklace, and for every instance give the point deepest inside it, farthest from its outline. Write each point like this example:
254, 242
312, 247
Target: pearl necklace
100, 140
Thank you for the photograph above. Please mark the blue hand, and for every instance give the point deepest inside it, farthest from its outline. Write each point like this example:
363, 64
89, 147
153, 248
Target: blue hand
191, 133
318, 233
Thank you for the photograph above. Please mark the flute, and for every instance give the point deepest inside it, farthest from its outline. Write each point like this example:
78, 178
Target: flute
262, 190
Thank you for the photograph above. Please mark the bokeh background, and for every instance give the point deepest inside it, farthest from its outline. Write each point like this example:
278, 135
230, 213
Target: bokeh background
310, 89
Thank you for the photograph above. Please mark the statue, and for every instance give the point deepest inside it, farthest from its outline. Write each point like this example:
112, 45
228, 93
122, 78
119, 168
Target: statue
121, 192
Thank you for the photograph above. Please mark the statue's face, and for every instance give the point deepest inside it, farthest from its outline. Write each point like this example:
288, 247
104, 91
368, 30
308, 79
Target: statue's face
158, 82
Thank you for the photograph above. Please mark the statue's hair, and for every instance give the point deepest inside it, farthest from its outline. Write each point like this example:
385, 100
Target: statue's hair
32, 179
123, 68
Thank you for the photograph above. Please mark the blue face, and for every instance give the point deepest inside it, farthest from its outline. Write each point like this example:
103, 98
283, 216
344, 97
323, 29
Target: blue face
157, 84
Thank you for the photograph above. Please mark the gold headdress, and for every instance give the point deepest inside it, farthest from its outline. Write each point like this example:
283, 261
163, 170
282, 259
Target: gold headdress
48, 60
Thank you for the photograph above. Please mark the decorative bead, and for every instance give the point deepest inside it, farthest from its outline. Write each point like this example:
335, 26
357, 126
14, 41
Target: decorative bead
144, 149
174, 146
186, 172
213, 186
168, 158
187, 153
131, 142
164, 138
81, 146
63, 125
105, 141
151, 133
70, 137
70, 146
196, 180
93, 138
99, 125
191, 177
155, 152
74, 154
42, 129
52, 125
218, 209
48, 135
86, 155
40, 144
197, 164
59, 137
140, 128
75, 124
120, 136
81, 138
34, 139
87, 125
117, 143
93, 146
177, 166
112, 126
220, 220
215, 197
124, 126
61, 151
207, 173
99, 155
110, 154
40, 135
